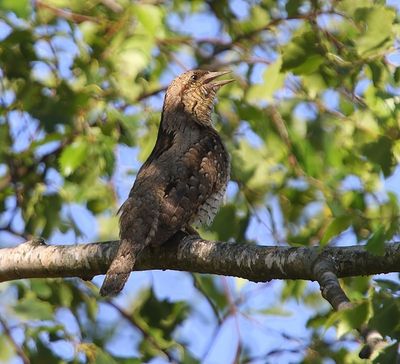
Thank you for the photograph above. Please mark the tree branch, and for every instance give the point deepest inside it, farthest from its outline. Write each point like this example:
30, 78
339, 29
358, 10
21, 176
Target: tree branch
34, 259
331, 290
66, 14
187, 253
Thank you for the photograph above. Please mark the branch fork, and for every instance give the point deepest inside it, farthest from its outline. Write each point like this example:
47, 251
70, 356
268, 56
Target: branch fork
325, 273
36, 259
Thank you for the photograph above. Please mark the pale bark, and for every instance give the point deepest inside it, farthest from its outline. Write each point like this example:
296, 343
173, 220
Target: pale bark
255, 263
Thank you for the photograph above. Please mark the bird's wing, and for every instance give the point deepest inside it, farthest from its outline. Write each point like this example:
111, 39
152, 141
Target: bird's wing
197, 175
169, 191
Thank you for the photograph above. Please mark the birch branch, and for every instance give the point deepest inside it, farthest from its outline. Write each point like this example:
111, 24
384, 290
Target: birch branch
186, 253
35, 259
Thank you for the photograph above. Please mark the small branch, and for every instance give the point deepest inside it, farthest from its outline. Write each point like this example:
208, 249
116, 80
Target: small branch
373, 342
331, 290
197, 284
66, 14
132, 320
5, 181
192, 254
16, 347
147, 94
112, 5
330, 287
281, 128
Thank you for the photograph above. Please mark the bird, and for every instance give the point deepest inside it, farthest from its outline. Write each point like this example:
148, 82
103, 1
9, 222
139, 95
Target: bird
183, 181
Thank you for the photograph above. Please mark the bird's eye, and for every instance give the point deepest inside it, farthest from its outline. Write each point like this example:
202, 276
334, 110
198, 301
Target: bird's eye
193, 77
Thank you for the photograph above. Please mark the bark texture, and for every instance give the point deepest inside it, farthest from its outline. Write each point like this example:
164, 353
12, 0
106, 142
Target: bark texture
186, 253
35, 258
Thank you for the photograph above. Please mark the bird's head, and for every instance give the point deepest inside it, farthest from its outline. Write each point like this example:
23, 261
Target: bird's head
193, 92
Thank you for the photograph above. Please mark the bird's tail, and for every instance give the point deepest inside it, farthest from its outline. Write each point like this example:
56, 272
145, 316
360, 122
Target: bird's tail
120, 268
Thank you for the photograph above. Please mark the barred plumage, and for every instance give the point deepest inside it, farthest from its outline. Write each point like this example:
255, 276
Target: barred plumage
183, 181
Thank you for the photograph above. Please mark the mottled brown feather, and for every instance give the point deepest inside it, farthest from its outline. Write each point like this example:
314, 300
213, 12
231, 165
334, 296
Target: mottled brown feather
183, 180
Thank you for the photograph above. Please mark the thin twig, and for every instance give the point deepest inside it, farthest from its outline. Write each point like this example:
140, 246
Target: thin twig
132, 320
66, 14
199, 287
17, 348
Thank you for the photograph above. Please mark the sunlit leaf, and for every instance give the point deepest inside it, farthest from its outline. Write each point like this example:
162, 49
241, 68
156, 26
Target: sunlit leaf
33, 309
96, 355
337, 226
21, 8
389, 355
6, 351
350, 319
302, 55
73, 156
378, 28
150, 16
273, 80
376, 243
380, 152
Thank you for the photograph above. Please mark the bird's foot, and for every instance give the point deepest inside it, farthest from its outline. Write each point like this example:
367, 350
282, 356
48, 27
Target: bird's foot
191, 231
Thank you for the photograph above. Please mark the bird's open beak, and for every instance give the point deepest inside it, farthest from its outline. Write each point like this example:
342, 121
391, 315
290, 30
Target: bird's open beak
209, 78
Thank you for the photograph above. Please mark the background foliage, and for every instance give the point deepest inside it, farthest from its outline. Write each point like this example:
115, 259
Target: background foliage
312, 124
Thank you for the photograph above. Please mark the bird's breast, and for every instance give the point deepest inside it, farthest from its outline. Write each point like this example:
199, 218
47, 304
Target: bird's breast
215, 172
207, 211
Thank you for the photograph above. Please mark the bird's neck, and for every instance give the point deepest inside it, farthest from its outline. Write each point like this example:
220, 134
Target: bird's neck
179, 119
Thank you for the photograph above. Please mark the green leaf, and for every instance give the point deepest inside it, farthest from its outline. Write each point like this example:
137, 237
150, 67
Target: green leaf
6, 349
376, 243
351, 318
21, 8
303, 54
188, 357
65, 295
386, 318
41, 288
31, 308
235, 229
346, 106
378, 35
292, 7
388, 284
337, 226
150, 16
396, 75
207, 286
356, 287
256, 168
16, 61
89, 31
314, 83
380, 152
275, 311
293, 289
306, 155
377, 70
273, 80
258, 17
73, 156
52, 110
254, 116
160, 314
95, 355
389, 355
91, 305
310, 66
